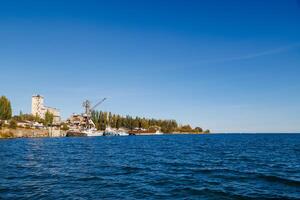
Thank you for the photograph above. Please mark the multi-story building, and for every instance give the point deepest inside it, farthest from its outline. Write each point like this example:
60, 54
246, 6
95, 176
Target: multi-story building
38, 108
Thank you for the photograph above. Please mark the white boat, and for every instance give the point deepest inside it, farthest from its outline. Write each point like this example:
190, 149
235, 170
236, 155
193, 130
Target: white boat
92, 132
158, 133
113, 132
122, 134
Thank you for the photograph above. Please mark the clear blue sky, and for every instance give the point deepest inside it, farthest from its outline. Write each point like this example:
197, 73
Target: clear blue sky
230, 66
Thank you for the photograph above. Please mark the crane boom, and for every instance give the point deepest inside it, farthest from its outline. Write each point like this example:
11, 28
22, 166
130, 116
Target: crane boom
97, 104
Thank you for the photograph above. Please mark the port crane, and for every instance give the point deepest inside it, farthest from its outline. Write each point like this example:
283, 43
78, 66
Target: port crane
88, 111
87, 106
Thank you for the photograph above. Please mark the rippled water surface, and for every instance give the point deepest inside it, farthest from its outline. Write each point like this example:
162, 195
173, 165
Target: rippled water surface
152, 167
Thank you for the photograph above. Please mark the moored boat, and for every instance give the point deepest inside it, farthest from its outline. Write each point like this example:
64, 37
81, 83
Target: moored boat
93, 133
145, 132
113, 132
75, 134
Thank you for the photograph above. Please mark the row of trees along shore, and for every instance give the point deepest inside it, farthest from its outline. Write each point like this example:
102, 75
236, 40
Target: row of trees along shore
104, 119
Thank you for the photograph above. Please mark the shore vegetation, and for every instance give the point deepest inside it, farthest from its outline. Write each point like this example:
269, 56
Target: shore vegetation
5, 108
105, 119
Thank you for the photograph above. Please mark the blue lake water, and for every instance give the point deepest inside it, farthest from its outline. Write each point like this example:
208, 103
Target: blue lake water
217, 166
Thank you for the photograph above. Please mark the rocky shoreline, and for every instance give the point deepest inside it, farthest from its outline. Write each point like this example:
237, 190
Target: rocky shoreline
30, 133
44, 133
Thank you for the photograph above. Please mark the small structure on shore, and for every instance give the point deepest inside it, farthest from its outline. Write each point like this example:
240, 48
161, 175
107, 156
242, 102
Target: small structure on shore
79, 122
82, 124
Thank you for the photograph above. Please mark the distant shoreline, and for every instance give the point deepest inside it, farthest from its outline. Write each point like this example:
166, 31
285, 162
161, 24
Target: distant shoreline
8, 133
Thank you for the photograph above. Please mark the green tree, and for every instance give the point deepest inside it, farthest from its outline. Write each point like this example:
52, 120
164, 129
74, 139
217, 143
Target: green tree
21, 115
48, 118
118, 123
5, 108
207, 131
186, 129
144, 123
64, 127
135, 123
199, 129
28, 117
13, 124
36, 118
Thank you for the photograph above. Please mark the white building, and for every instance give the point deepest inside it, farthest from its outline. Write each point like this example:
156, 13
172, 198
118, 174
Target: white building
38, 108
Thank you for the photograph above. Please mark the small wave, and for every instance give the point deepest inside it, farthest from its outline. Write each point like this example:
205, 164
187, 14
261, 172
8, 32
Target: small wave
277, 179
206, 192
90, 178
189, 190
129, 168
160, 182
215, 170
